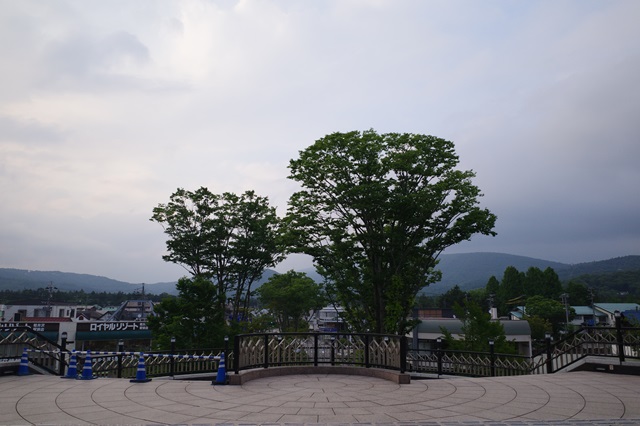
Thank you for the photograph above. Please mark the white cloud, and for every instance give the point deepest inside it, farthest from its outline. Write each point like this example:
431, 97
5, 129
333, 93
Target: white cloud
107, 107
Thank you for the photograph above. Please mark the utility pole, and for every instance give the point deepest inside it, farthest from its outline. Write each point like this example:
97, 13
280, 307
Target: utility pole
50, 289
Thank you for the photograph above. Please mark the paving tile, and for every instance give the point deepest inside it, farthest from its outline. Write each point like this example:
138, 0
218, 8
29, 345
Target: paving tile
574, 399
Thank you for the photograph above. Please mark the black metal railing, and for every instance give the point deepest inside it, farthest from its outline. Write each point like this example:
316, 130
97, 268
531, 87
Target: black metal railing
608, 342
266, 350
366, 350
47, 355
464, 363
125, 364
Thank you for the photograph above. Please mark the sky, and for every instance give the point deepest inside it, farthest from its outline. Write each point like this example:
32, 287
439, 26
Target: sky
107, 107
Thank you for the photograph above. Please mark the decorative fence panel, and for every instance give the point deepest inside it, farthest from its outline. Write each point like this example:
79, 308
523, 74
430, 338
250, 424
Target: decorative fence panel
46, 354
475, 364
365, 350
286, 349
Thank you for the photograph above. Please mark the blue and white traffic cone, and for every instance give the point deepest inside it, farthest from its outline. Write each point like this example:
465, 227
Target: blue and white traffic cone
72, 371
87, 369
221, 377
141, 373
23, 369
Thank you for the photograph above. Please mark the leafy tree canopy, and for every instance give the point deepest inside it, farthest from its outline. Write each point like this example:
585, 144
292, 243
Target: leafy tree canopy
549, 309
190, 317
226, 237
375, 211
290, 297
515, 287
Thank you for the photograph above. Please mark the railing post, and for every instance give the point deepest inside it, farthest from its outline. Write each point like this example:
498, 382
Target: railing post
366, 351
63, 343
619, 338
333, 350
439, 355
227, 360
547, 338
120, 350
315, 349
403, 353
492, 357
266, 351
172, 359
236, 354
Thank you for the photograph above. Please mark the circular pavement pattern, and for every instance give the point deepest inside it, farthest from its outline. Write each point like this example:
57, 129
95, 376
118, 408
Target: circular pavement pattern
581, 398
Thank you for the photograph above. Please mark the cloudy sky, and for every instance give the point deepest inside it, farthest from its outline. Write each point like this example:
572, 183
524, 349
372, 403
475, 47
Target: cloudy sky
107, 107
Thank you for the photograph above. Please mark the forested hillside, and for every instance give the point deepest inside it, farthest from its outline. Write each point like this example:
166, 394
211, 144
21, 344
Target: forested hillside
468, 271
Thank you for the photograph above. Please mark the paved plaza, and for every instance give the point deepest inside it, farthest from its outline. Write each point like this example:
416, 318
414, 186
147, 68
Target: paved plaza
579, 398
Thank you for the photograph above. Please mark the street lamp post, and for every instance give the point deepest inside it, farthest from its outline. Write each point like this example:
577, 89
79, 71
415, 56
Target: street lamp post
618, 317
173, 350
120, 350
547, 338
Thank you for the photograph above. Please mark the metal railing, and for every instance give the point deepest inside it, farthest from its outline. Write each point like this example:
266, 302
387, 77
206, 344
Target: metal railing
49, 356
463, 363
365, 350
609, 342
125, 364
54, 359
286, 349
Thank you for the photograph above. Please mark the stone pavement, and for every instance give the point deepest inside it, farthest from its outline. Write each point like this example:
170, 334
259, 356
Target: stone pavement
578, 398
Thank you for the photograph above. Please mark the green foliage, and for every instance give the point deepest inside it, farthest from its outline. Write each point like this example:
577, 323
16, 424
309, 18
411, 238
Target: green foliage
453, 297
190, 317
423, 301
539, 327
548, 309
375, 211
229, 238
620, 286
290, 297
477, 330
261, 324
579, 293
511, 290
516, 286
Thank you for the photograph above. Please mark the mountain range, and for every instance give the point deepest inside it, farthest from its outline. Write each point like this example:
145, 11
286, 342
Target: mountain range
467, 270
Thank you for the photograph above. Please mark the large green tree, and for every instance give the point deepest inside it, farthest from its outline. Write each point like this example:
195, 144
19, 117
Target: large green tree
375, 211
189, 317
511, 292
228, 238
290, 297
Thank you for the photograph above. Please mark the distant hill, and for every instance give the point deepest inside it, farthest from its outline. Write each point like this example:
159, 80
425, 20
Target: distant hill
473, 270
467, 270
20, 279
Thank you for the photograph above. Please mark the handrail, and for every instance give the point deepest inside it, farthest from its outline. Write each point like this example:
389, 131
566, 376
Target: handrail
264, 350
